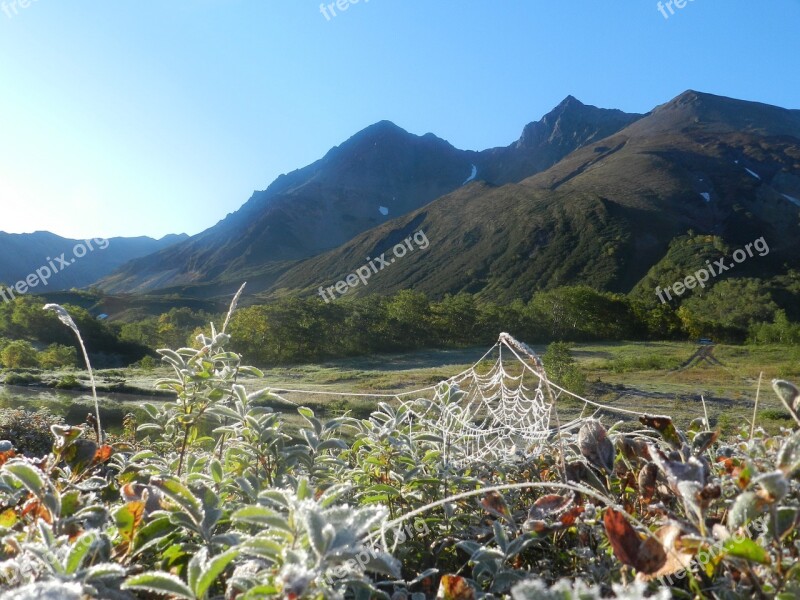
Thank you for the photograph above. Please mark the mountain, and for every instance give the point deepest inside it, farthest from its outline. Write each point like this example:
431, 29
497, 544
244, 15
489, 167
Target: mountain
604, 215
381, 173
59, 263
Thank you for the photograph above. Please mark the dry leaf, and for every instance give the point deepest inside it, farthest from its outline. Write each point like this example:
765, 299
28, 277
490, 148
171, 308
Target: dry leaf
103, 454
677, 558
647, 481
494, 504
453, 587
666, 428
595, 446
625, 541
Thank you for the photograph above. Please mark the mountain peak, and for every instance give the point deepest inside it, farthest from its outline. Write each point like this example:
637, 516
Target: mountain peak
572, 117
570, 102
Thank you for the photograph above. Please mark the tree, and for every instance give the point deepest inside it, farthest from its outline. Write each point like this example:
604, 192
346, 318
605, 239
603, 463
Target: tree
562, 369
728, 310
19, 354
56, 356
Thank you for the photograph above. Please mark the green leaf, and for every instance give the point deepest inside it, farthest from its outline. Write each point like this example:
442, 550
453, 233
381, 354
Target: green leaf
29, 476
104, 571
172, 357
306, 412
263, 547
789, 455
160, 583
8, 518
212, 570
747, 549
195, 567
316, 526
251, 372
748, 506
80, 454
152, 533
181, 495
383, 488
216, 471
261, 515
80, 550
127, 518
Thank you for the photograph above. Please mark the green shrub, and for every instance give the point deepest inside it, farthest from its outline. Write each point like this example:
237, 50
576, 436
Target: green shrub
68, 382
562, 368
22, 378
19, 354
27, 430
56, 356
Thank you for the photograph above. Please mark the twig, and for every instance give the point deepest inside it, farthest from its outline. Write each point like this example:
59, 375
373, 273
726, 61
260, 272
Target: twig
755, 408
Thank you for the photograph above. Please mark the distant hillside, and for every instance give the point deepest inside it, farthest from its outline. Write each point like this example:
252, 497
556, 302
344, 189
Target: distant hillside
381, 173
604, 215
22, 254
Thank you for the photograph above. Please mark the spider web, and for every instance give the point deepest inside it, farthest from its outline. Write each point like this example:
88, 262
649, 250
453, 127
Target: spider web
496, 413
497, 410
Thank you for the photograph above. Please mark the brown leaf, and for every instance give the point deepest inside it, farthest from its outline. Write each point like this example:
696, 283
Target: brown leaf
633, 448
665, 427
656, 556
103, 454
647, 481
595, 446
677, 557
549, 505
454, 587
494, 504
4, 456
33, 507
625, 542
676, 472
568, 519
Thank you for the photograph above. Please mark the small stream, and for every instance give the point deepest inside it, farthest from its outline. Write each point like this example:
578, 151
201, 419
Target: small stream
73, 406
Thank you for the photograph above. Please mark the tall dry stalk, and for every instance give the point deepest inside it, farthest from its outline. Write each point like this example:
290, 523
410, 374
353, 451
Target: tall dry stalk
66, 319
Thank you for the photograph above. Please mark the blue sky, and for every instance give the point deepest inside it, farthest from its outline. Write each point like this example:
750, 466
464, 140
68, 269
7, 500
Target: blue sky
149, 117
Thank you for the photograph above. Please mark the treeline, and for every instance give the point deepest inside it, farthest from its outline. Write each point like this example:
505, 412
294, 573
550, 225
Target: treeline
31, 337
297, 330
293, 330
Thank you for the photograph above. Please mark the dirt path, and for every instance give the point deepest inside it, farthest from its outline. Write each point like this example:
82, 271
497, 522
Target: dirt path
704, 353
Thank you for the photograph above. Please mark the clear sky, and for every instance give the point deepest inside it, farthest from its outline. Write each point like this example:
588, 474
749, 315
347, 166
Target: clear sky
148, 117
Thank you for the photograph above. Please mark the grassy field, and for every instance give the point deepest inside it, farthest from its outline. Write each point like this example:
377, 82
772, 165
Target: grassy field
657, 377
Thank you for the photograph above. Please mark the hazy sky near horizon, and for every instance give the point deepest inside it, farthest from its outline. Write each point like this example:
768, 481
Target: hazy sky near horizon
147, 118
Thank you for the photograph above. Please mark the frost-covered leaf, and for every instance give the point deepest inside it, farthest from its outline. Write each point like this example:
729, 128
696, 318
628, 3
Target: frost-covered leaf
159, 583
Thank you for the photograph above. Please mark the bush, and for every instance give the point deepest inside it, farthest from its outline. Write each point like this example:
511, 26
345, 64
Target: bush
68, 382
562, 369
19, 354
21, 379
28, 431
56, 356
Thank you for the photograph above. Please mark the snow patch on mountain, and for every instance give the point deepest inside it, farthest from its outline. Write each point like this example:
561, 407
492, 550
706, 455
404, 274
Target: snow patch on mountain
472, 176
794, 201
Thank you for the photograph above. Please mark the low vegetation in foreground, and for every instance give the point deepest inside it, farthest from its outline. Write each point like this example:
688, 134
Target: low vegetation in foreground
373, 507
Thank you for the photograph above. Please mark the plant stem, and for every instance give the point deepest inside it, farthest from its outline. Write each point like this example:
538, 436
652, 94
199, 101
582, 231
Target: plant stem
183, 448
